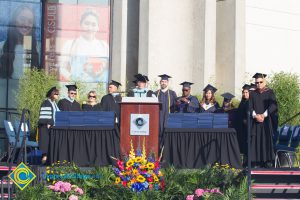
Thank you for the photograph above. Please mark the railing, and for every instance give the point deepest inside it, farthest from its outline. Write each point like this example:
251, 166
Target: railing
290, 119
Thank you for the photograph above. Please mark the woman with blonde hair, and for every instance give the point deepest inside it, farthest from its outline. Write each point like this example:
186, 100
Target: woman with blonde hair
92, 104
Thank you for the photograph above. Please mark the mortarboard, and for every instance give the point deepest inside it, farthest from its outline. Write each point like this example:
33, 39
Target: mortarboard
211, 88
186, 84
71, 87
259, 75
246, 87
146, 77
164, 77
227, 96
140, 77
115, 83
50, 91
252, 86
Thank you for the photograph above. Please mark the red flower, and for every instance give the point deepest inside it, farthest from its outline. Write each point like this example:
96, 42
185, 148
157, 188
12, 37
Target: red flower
150, 179
120, 165
156, 164
124, 183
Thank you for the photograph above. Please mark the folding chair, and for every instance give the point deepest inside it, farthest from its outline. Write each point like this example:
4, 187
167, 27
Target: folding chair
11, 136
283, 141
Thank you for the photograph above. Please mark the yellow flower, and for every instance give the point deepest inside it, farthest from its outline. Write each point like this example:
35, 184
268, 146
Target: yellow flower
138, 159
141, 179
135, 172
53, 182
129, 184
48, 171
129, 163
155, 178
150, 165
160, 173
118, 180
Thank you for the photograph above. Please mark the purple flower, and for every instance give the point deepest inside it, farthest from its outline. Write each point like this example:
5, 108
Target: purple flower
73, 197
189, 197
79, 191
199, 192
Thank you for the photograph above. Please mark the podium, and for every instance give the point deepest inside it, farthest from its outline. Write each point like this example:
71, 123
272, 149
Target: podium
139, 121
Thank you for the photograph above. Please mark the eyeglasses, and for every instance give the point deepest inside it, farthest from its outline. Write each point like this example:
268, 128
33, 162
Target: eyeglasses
259, 82
93, 97
186, 90
73, 93
56, 94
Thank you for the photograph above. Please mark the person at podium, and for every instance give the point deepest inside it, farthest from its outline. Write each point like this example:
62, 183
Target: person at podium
69, 103
141, 90
110, 102
209, 103
187, 103
167, 98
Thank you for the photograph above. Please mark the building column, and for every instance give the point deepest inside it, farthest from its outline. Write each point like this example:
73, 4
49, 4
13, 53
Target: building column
230, 47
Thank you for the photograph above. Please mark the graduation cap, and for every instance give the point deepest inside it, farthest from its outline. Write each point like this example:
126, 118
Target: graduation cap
259, 75
246, 87
71, 87
146, 77
186, 84
227, 96
115, 83
50, 91
211, 88
164, 77
140, 77
252, 86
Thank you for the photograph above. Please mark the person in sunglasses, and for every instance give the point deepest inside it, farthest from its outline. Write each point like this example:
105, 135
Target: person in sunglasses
263, 108
187, 103
92, 104
208, 103
69, 103
110, 102
47, 120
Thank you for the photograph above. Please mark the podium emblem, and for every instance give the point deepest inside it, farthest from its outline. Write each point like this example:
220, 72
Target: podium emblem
139, 124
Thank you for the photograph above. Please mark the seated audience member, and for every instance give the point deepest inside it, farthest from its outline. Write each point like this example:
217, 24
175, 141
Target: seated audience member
208, 103
47, 120
110, 102
186, 103
91, 104
141, 90
69, 103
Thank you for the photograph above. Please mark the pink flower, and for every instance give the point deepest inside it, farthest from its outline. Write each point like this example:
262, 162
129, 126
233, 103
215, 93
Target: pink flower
189, 197
73, 197
79, 190
65, 187
199, 192
215, 190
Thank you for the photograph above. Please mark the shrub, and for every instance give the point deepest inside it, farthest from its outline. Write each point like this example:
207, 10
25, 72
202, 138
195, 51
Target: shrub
33, 87
287, 90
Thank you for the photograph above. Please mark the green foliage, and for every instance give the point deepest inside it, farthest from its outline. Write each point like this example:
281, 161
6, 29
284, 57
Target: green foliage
287, 90
33, 87
179, 184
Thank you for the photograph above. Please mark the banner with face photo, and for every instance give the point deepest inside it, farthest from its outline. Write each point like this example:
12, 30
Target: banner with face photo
77, 42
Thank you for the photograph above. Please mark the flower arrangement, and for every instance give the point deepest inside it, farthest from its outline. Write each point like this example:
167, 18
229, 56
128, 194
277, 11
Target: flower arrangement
65, 189
139, 173
201, 193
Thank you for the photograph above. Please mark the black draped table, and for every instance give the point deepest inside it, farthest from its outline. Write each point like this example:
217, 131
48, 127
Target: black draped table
195, 148
85, 146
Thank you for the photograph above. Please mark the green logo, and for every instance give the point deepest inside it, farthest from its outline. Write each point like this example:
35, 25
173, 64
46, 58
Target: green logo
22, 176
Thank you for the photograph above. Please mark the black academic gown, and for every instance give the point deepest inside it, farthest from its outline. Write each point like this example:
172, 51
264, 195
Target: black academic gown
111, 103
261, 133
167, 100
88, 107
66, 105
242, 125
191, 107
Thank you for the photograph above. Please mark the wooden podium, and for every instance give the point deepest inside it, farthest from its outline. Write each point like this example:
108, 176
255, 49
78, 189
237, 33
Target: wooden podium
129, 110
